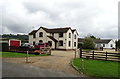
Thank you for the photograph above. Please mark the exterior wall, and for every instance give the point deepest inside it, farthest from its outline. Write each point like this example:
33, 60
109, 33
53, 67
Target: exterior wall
69, 39
44, 38
53, 43
107, 45
63, 39
31, 39
75, 40
56, 36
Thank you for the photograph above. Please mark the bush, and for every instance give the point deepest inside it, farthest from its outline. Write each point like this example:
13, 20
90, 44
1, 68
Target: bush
88, 43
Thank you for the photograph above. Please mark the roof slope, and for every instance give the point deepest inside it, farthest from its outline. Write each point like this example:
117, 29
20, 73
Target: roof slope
55, 30
96, 41
33, 32
52, 38
103, 41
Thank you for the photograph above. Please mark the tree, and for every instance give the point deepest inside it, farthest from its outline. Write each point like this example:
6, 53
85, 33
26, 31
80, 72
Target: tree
118, 44
88, 43
93, 37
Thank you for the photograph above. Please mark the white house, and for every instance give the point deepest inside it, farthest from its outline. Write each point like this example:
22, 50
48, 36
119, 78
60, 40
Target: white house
105, 43
60, 38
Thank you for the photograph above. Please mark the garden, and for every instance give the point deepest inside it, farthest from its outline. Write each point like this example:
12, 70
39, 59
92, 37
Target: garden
97, 68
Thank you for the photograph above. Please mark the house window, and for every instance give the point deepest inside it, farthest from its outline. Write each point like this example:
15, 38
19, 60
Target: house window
61, 34
41, 34
52, 34
74, 44
111, 45
40, 41
33, 42
60, 43
75, 37
69, 35
34, 36
103, 45
69, 43
50, 43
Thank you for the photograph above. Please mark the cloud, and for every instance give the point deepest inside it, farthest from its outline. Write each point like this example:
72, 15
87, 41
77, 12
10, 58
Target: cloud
98, 17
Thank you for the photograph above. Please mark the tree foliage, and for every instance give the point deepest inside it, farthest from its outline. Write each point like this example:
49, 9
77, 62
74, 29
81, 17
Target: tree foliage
23, 38
88, 43
12, 36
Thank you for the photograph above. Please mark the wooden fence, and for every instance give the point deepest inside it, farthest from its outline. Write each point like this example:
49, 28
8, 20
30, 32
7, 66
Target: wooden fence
20, 49
45, 50
99, 55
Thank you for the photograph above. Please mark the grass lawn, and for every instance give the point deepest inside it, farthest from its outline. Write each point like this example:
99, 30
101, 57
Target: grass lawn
14, 54
98, 68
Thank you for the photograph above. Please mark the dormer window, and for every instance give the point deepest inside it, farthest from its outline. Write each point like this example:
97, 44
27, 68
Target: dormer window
61, 34
41, 34
69, 35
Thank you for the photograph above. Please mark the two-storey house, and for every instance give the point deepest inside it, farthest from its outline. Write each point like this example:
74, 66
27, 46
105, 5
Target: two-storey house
60, 38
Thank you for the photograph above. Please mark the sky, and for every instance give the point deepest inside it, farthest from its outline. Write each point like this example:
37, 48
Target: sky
89, 17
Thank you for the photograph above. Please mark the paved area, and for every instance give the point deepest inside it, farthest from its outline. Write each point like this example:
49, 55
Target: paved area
16, 70
59, 61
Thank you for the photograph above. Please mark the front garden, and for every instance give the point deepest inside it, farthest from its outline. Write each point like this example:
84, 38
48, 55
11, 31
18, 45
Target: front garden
97, 68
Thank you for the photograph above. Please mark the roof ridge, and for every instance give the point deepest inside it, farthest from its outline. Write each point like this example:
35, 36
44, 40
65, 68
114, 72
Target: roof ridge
60, 28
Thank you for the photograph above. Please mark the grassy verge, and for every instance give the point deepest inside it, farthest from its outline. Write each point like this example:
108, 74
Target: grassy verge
97, 68
15, 54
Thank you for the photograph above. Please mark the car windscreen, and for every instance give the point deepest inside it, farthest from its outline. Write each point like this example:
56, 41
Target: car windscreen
25, 45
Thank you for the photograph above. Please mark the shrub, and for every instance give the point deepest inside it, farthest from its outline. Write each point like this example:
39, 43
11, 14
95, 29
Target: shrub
88, 43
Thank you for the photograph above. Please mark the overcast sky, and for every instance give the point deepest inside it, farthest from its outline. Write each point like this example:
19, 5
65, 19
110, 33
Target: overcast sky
96, 17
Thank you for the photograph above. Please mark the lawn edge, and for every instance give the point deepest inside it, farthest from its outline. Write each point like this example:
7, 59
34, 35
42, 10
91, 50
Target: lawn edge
75, 67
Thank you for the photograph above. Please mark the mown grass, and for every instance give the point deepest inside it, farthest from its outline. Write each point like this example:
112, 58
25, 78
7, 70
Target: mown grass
97, 68
15, 54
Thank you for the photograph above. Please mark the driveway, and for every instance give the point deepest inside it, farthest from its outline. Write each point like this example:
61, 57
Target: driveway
58, 61
16, 70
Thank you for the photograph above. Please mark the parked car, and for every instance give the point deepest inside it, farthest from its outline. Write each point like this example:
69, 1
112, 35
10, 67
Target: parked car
38, 45
27, 45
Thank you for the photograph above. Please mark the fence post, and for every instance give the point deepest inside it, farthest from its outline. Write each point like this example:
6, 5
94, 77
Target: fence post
106, 55
27, 57
80, 52
50, 50
93, 55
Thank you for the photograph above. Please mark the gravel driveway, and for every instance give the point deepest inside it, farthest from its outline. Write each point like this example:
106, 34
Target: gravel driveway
58, 61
